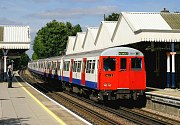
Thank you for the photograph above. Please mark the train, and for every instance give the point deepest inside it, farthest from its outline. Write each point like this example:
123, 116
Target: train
102, 75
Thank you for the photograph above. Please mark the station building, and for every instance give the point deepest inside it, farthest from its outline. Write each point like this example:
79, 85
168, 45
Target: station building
156, 34
14, 40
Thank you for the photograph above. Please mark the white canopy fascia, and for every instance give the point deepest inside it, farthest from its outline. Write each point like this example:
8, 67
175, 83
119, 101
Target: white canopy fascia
158, 35
10, 45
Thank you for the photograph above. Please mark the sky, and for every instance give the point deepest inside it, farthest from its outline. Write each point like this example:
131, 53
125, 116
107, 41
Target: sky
87, 13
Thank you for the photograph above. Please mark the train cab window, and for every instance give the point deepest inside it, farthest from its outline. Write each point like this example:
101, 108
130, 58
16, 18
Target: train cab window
136, 63
123, 64
109, 64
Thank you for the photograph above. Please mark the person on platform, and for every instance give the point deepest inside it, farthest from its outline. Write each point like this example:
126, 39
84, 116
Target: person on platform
10, 75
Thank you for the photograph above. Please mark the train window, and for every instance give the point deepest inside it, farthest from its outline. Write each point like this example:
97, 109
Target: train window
59, 65
66, 65
78, 66
88, 66
46, 65
49, 65
74, 66
41, 65
93, 66
54, 66
109, 64
136, 63
123, 64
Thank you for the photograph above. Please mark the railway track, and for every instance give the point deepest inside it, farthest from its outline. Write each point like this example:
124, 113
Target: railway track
136, 116
101, 114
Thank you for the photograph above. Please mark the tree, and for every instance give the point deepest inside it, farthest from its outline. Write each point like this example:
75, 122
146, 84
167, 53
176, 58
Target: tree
51, 39
23, 61
112, 17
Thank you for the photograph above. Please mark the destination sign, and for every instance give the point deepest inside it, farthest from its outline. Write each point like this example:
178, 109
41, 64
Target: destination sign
123, 53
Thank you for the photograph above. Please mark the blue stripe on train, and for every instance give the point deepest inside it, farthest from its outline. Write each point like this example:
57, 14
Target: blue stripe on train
59, 77
76, 81
91, 84
52, 76
88, 84
66, 79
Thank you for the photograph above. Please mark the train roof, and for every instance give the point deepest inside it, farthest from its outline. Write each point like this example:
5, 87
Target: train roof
116, 51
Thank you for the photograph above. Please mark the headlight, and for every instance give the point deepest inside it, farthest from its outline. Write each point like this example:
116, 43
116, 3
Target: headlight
109, 84
105, 84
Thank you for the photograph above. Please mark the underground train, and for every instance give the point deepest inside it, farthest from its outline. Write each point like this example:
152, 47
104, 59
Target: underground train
102, 75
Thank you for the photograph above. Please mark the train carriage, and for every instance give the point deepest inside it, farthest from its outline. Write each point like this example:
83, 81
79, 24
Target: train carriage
108, 74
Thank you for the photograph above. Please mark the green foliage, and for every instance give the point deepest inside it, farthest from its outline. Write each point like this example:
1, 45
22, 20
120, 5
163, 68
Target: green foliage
51, 39
34, 56
23, 61
112, 17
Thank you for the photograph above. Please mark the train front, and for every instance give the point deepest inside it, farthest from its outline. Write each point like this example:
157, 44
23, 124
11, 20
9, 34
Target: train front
121, 74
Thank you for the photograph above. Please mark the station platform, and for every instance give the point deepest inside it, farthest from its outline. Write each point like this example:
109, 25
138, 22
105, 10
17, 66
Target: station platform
23, 105
167, 92
166, 101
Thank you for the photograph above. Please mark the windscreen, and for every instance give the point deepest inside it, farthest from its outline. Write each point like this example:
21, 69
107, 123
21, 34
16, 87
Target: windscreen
136, 63
109, 64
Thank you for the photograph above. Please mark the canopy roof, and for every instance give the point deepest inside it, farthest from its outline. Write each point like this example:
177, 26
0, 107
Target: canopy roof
14, 37
132, 27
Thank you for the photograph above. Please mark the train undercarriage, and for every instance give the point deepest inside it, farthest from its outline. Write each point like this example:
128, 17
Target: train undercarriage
137, 96
134, 96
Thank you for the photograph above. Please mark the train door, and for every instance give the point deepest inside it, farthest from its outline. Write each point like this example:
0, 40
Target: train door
137, 73
107, 79
123, 73
77, 67
83, 72
76, 75
50, 69
59, 69
71, 71
90, 73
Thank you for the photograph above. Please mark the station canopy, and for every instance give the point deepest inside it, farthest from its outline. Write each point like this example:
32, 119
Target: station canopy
132, 27
16, 39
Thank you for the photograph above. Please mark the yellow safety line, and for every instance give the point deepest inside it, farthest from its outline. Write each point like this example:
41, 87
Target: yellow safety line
43, 106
